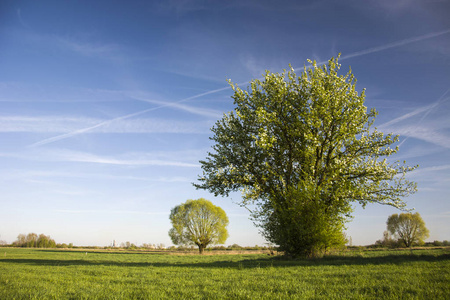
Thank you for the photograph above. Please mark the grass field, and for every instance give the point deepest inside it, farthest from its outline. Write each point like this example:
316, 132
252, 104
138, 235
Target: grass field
53, 274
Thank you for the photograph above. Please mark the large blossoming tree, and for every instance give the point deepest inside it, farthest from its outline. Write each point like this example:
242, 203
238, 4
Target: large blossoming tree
302, 149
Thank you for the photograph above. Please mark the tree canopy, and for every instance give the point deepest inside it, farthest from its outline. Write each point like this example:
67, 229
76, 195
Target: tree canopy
302, 149
198, 222
408, 228
32, 240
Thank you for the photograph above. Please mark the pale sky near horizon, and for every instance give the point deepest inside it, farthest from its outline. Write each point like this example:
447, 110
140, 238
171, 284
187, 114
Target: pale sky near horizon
106, 106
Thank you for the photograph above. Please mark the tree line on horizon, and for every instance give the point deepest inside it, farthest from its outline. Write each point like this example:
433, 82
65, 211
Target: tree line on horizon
32, 240
403, 230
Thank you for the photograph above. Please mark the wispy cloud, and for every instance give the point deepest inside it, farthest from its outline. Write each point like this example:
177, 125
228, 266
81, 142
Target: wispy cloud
432, 169
87, 46
108, 122
395, 44
127, 159
137, 159
60, 124
418, 150
425, 109
210, 113
388, 46
176, 103
406, 116
433, 178
44, 124
115, 212
21, 20
25, 92
39, 176
88, 129
431, 132
433, 136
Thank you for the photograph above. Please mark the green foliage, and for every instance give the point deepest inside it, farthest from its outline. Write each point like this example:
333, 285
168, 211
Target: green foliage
307, 228
386, 242
198, 222
36, 274
32, 240
408, 228
44, 241
302, 149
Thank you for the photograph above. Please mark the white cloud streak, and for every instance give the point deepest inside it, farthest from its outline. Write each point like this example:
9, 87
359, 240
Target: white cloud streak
59, 124
431, 169
104, 123
87, 46
91, 158
128, 159
417, 130
87, 129
88, 49
351, 55
395, 44
117, 212
425, 109
210, 113
139, 159
422, 133
25, 92
48, 177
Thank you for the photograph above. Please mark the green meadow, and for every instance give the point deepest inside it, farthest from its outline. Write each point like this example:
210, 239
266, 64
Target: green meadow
102, 274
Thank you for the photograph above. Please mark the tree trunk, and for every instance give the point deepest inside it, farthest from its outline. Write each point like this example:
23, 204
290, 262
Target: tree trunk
201, 248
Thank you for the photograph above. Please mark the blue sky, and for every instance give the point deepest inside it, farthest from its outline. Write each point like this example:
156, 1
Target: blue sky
106, 106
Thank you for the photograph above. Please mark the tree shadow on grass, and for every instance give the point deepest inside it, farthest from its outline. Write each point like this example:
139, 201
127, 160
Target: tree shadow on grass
269, 262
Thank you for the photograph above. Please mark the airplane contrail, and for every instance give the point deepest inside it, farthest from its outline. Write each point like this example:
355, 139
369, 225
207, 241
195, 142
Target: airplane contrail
427, 112
395, 44
351, 55
87, 129
83, 130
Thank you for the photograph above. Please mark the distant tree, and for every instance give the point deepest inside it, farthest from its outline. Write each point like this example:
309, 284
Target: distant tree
45, 241
235, 247
387, 241
21, 241
408, 228
437, 243
128, 245
31, 240
198, 222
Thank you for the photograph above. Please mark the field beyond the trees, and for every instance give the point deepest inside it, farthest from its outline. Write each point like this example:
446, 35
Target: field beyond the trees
100, 274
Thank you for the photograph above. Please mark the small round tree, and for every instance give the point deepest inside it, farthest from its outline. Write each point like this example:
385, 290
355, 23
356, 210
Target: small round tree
198, 222
408, 228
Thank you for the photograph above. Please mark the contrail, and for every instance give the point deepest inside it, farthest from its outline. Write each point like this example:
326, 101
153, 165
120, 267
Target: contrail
87, 129
395, 44
351, 55
83, 130
194, 110
427, 112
